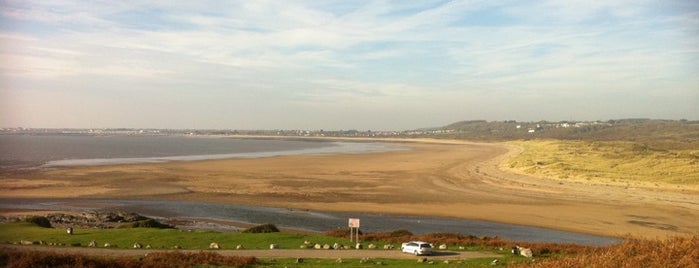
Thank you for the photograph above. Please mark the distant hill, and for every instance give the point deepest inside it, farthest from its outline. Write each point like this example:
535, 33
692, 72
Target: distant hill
639, 130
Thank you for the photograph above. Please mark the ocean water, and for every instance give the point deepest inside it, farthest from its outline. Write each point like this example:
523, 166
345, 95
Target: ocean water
33, 151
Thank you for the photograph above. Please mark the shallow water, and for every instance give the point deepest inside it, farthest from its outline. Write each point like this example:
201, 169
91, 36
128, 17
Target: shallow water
31, 151
314, 220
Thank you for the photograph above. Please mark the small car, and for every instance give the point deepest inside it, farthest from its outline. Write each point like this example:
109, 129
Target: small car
417, 248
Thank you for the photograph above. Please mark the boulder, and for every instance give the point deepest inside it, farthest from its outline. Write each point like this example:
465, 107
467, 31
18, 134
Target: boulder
214, 245
389, 246
137, 245
92, 244
239, 247
526, 252
371, 246
273, 246
359, 246
317, 246
337, 246
443, 246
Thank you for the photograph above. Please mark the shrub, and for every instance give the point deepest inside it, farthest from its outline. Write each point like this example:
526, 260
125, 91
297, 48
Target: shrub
401, 233
39, 221
33, 258
265, 228
149, 223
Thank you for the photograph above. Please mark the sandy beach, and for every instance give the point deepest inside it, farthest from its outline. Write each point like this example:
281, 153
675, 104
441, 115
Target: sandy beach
434, 178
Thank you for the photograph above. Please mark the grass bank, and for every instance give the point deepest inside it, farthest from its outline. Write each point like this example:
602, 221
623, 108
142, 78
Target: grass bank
673, 252
621, 162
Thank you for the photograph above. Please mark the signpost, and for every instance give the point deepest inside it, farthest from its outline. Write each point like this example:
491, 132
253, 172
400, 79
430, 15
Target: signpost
354, 227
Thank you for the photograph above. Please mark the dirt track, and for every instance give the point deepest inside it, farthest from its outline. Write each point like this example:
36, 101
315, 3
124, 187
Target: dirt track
277, 253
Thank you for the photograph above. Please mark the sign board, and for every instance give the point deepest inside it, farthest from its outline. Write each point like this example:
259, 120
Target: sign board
353, 223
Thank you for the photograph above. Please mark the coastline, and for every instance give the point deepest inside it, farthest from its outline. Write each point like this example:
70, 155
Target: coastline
440, 178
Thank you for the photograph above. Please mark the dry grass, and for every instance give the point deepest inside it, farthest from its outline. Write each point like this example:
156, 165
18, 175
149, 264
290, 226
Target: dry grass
30, 258
610, 161
673, 252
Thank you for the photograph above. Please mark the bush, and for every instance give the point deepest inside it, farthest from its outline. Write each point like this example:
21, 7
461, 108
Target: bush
31, 258
401, 233
39, 221
265, 228
149, 223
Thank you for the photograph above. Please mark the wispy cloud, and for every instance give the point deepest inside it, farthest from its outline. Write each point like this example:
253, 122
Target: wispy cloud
432, 56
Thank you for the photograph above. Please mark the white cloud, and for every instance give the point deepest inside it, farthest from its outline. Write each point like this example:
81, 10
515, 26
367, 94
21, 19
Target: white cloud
372, 55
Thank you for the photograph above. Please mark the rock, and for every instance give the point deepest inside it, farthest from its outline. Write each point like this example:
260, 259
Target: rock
494, 262
326, 246
214, 245
446, 262
337, 246
69, 230
239, 247
462, 248
421, 260
299, 260
92, 244
364, 260
177, 247
389, 246
26, 242
339, 260
148, 246
107, 245
371, 246
306, 242
137, 245
358, 246
273, 246
303, 246
443, 246
526, 252
317, 246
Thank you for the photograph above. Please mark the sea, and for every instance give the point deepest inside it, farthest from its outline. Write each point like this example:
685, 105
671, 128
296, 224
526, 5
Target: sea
21, 152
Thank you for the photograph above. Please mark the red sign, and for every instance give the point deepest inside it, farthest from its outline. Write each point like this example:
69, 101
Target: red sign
353, 223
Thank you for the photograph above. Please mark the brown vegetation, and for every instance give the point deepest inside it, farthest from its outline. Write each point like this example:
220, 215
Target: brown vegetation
458, 239
29, 258
673, 252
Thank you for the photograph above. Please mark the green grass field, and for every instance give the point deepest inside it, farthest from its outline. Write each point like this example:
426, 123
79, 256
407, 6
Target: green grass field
125, 238
610, 161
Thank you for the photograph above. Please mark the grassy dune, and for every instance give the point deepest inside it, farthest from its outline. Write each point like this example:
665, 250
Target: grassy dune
610, 161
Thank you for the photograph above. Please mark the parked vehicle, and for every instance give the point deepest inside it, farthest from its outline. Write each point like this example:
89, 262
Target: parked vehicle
417, 248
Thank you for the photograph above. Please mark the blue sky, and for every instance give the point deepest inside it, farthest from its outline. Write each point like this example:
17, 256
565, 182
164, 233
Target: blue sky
379, 65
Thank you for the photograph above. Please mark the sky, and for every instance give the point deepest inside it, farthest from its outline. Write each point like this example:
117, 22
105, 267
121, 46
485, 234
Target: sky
339, 65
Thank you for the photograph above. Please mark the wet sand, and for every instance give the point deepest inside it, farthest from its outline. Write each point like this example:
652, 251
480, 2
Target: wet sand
446, 179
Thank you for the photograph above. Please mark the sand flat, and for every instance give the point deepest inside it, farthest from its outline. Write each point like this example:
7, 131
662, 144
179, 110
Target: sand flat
444, 178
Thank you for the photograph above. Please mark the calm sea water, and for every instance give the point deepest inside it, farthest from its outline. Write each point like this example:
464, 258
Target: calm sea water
31, 151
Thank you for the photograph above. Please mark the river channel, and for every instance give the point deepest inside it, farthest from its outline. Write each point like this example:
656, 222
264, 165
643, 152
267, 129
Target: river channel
314, 221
